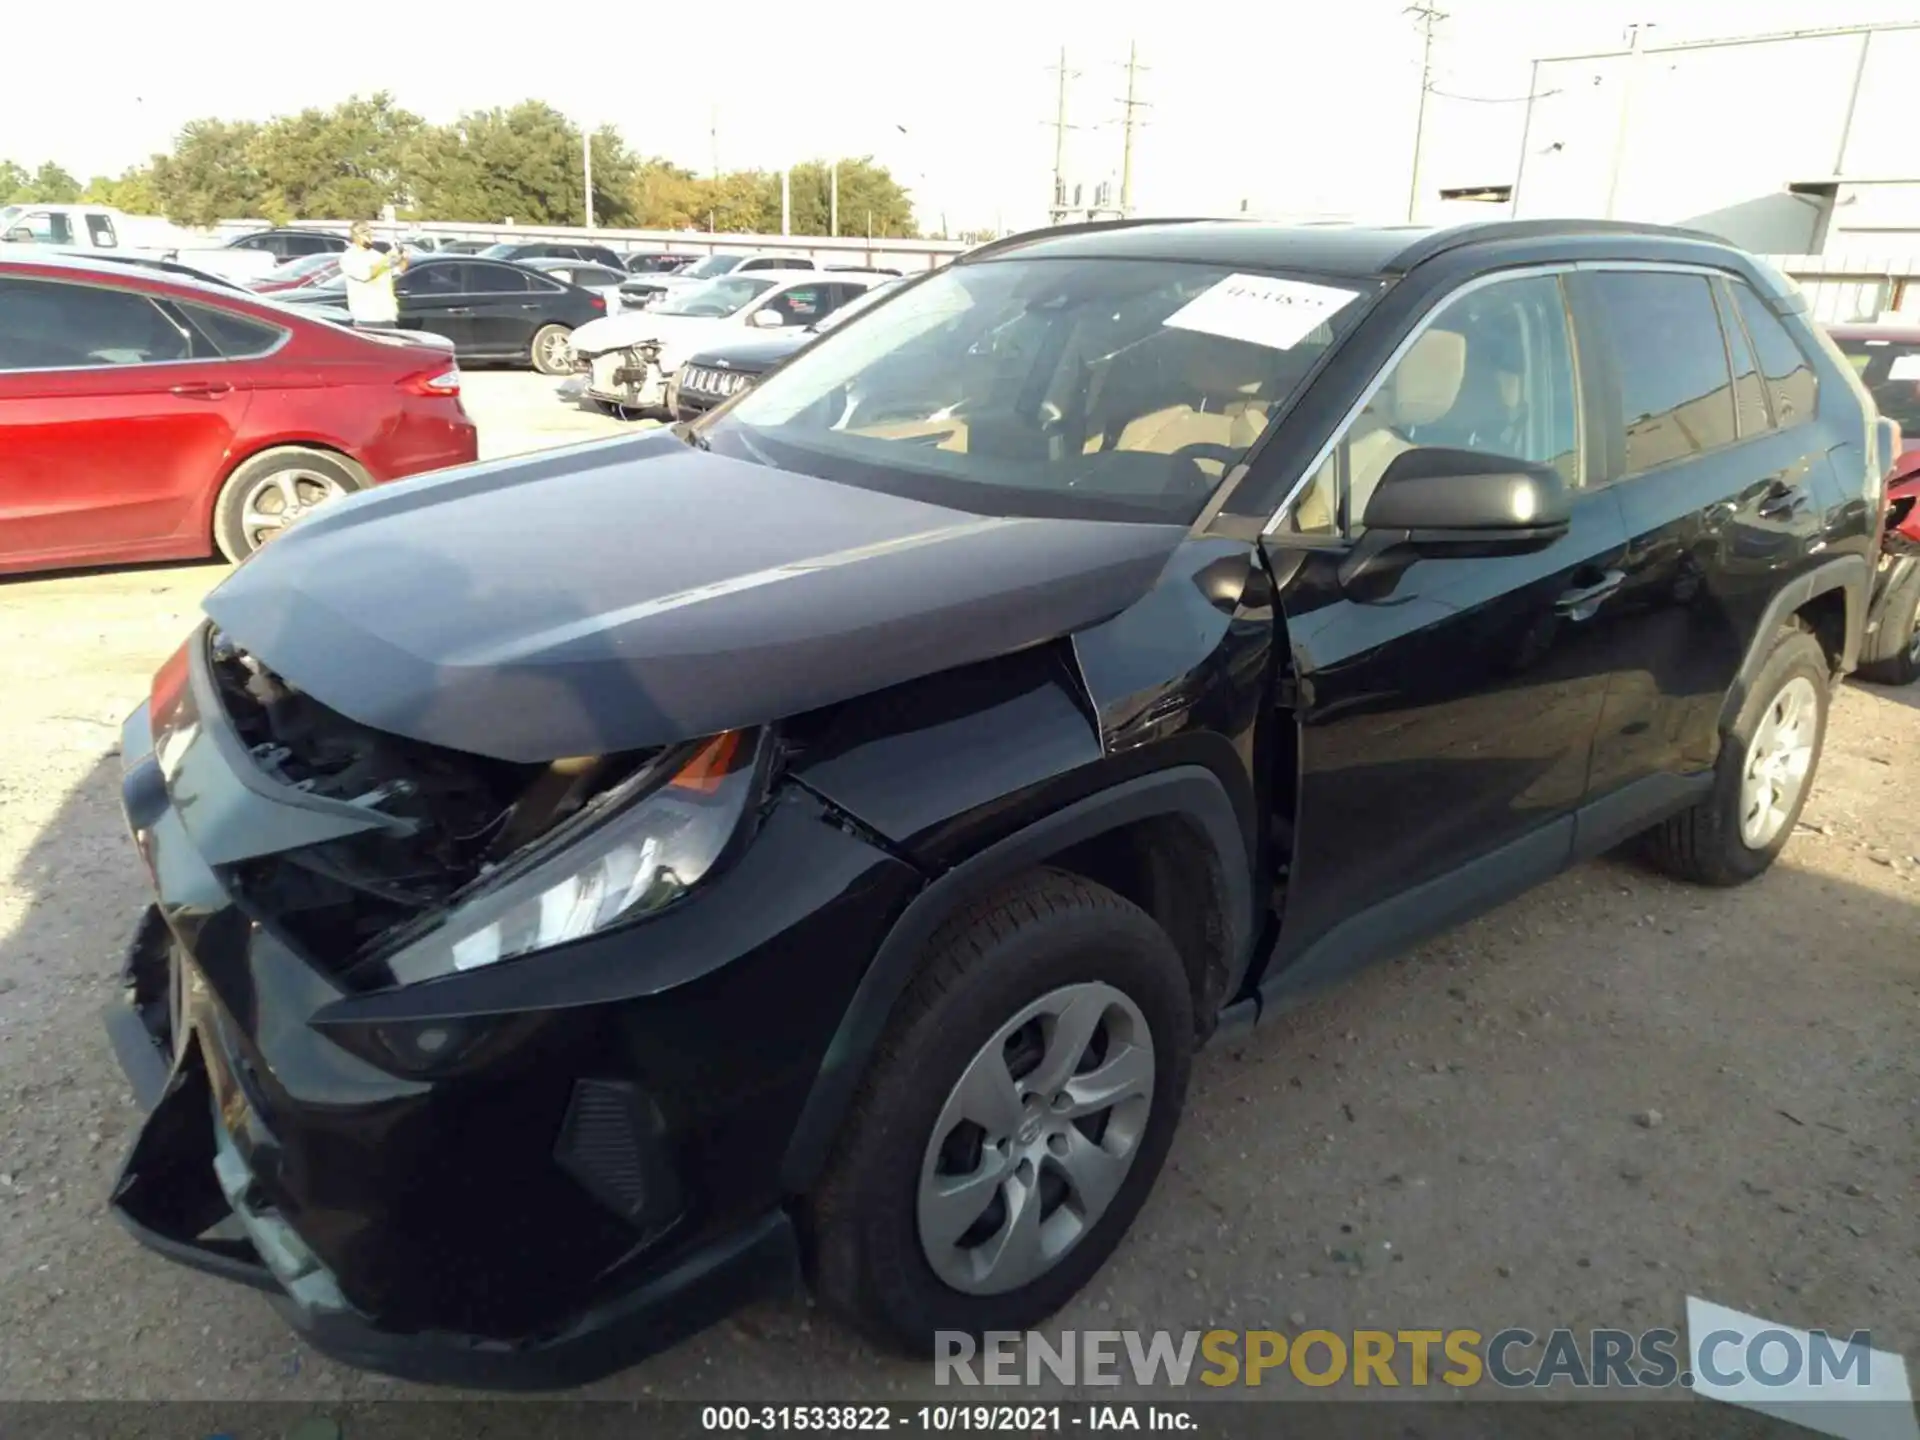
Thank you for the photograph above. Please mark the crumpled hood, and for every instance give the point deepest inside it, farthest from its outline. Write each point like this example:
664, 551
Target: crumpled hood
638, 592
631, 327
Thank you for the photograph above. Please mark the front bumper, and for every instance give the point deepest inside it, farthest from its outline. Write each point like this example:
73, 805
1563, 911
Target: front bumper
624, 377
589, 1171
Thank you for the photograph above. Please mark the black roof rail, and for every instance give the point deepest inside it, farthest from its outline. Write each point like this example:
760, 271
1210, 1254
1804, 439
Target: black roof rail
1438, 242
1080, 227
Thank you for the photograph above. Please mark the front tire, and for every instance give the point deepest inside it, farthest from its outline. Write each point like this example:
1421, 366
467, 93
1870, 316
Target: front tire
551, 351
1894, 654
1763, 776
1012, 1124
276, 489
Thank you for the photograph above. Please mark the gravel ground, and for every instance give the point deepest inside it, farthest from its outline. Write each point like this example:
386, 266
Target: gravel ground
1611, 1094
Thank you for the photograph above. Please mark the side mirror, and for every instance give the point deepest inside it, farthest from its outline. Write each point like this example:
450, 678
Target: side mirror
20, 235
1445, 497
1438, 503
766, 320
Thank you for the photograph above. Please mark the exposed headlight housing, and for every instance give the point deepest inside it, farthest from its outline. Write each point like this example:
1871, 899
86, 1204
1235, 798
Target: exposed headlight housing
633, 852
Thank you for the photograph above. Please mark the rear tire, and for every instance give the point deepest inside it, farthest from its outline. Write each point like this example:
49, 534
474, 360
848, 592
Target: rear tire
275, 489
1762, 778
1042, 961
550, 351
1893, 656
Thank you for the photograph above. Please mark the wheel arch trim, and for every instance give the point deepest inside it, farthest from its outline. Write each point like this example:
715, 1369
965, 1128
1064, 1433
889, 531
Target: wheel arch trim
1190, 792
1849, 574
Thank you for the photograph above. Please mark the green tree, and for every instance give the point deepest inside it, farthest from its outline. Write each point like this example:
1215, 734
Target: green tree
868, 193
665, 196
521, 163
49, 185
343, 163
132, 192
209, 175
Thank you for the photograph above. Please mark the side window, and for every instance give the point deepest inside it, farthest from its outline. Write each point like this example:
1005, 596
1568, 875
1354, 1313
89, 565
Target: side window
494, 280
47, 227
51, 325
1749, 399
768, 263
431, 280
237, 337
100, 232
801, 305
305, 245
1791, 386
1492, 372
1676, 393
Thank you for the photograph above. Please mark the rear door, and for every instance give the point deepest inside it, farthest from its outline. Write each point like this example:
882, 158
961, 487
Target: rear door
434, 298
1446, 706
116, 419
1708, 442
505, 311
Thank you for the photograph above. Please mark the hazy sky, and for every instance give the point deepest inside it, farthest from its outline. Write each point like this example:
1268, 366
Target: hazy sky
1290, 106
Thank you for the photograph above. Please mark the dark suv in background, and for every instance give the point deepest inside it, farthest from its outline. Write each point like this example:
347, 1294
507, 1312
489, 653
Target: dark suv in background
594, 888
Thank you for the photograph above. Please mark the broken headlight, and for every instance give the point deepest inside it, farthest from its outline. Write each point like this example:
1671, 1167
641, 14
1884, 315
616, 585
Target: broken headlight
638, 849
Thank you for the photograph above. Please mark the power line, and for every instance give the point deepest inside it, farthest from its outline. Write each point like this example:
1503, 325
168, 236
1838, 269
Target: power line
1492, 99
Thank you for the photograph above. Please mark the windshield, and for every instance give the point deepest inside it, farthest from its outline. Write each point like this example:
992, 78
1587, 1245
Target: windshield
500, 251
715, 298
1124, 388
713, 265
1890, 369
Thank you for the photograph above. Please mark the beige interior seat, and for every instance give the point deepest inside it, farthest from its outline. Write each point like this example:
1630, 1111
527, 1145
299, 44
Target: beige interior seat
1421, 390
1231, 378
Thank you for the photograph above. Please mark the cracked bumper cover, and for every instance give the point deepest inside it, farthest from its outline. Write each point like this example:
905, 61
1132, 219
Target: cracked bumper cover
435, 1227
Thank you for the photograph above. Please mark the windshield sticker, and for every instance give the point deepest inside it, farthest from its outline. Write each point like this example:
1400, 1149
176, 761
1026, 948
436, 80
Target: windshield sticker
1262, 310
1904, 367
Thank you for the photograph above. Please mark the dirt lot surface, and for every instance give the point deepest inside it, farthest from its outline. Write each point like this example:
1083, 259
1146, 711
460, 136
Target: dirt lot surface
1607, 1096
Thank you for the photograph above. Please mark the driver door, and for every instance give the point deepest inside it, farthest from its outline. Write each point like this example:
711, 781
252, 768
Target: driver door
1447, 709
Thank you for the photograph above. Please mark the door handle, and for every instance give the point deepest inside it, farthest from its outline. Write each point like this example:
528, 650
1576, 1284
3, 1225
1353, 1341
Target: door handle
1781, 501
202, 389
458, 310
1581, 602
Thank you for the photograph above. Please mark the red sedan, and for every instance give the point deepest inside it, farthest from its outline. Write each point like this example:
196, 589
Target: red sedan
146, 416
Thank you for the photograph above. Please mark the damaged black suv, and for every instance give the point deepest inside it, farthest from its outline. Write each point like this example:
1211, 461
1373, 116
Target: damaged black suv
596, 888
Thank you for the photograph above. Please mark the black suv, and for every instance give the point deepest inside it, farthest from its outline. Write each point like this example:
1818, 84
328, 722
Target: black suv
597, 887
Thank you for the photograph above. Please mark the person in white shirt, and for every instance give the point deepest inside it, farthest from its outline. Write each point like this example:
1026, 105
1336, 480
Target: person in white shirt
369, 276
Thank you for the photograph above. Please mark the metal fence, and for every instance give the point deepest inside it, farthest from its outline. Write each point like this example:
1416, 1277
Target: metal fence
1848, 285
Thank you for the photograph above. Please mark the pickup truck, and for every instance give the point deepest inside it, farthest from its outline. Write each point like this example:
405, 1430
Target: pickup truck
90, 228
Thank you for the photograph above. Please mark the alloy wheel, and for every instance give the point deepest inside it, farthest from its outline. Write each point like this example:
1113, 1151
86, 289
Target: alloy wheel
278, 500
1778, 759
1035, 1139
554, 353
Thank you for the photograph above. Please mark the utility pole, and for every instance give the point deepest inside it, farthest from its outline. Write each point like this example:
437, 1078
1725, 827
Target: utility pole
1628, 84
1429, 17
586, 166
786, 202
1127, 123
833, 197
1057, 211
713, 141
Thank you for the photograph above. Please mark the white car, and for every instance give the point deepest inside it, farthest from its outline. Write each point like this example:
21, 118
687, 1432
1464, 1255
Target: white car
602, 280
650, 286
629, 358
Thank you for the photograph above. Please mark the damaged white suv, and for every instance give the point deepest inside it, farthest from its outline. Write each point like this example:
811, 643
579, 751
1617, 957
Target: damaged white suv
629, 358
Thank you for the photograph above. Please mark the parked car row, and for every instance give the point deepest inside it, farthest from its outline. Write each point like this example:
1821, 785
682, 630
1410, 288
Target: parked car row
629, 359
